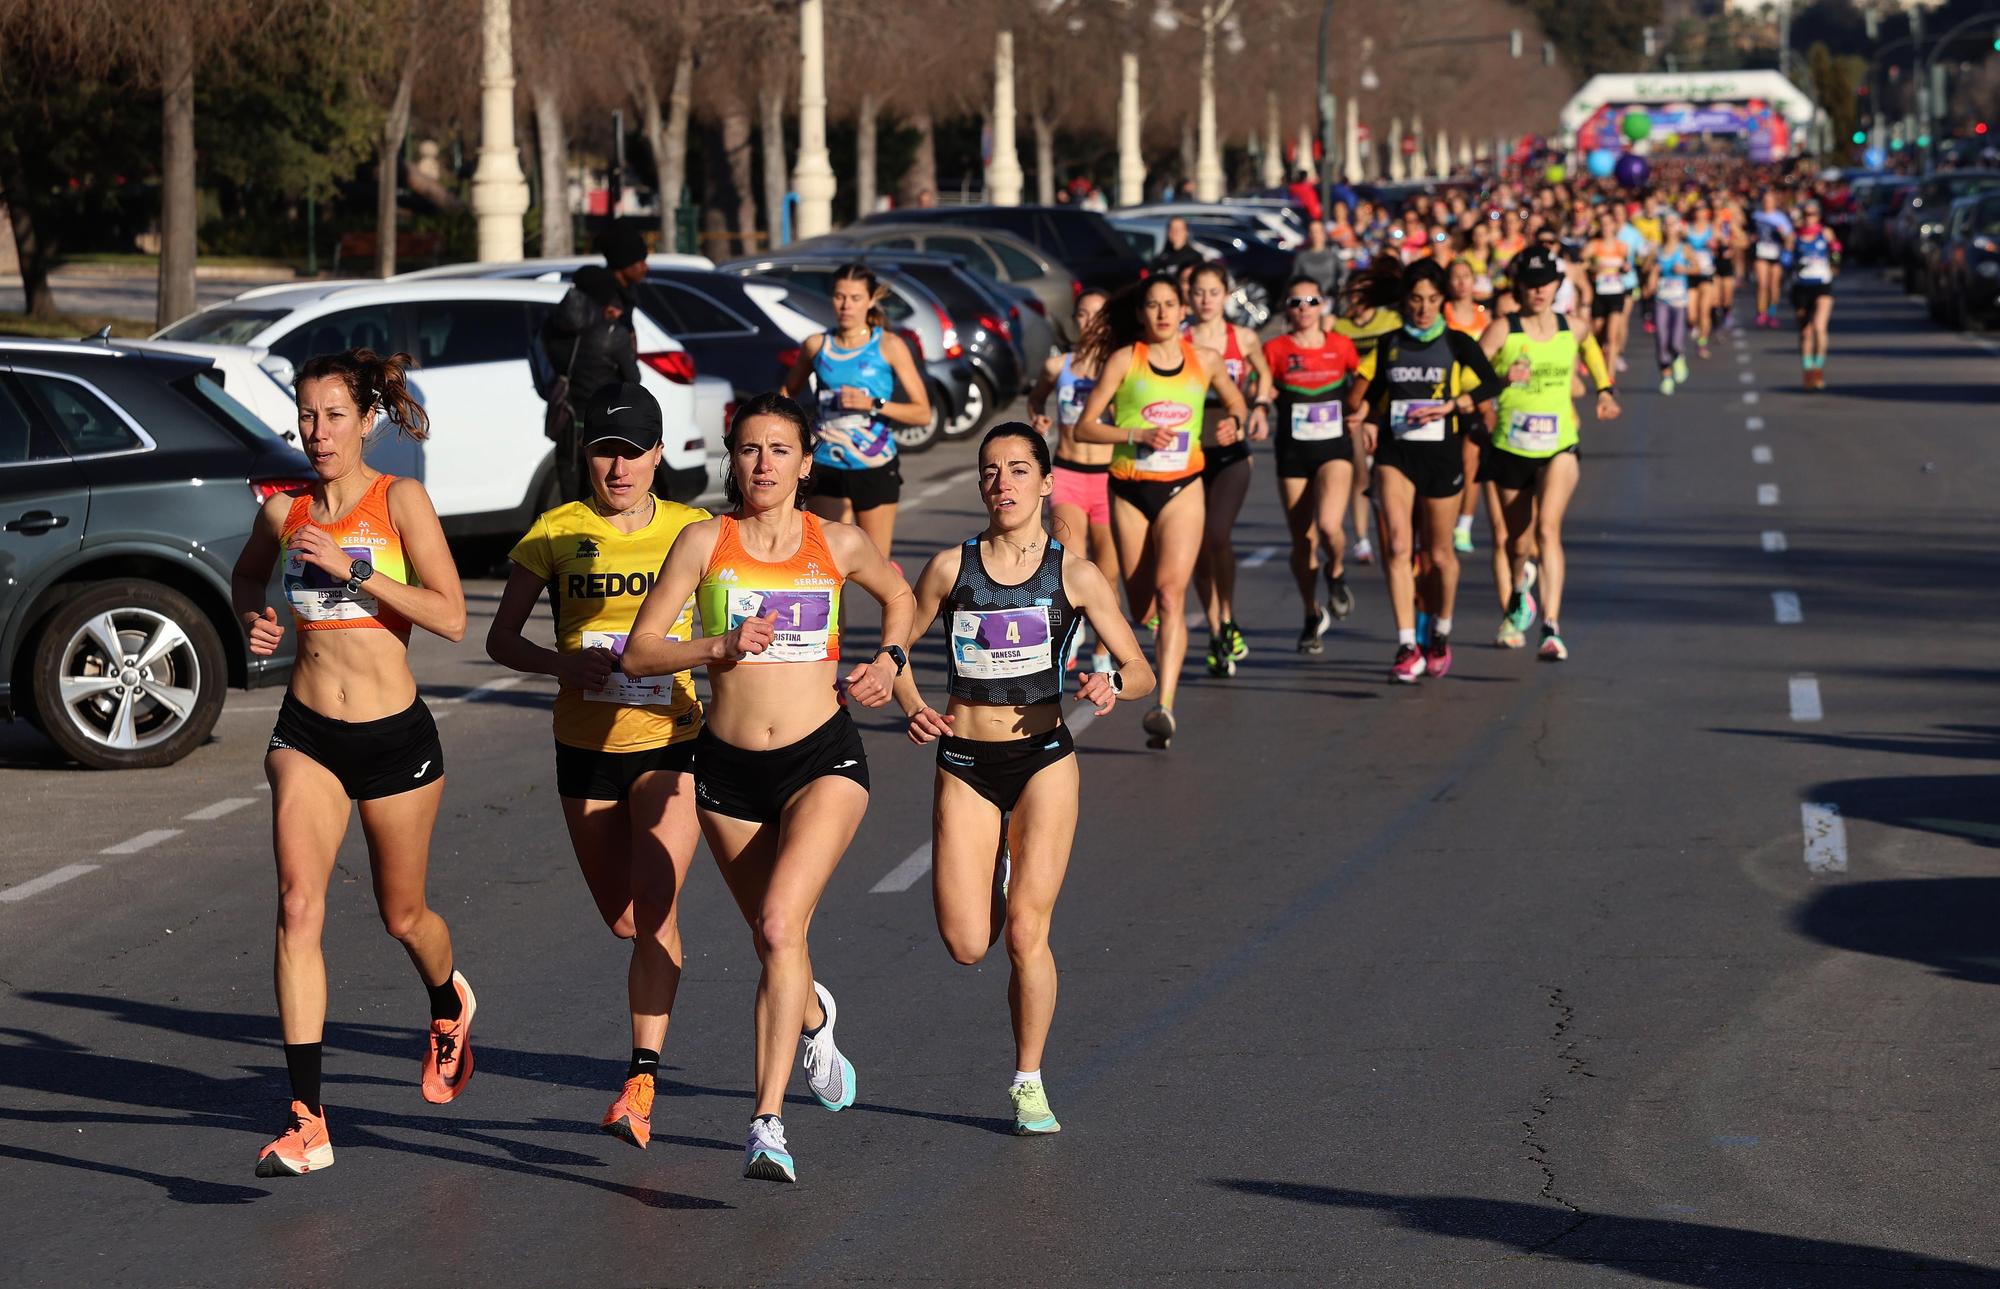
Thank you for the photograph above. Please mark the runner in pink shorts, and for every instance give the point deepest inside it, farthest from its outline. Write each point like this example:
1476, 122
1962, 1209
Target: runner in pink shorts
1080, 502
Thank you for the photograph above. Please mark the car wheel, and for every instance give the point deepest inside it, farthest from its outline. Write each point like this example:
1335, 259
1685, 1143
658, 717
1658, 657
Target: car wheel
922, 438
128, 674
977, 411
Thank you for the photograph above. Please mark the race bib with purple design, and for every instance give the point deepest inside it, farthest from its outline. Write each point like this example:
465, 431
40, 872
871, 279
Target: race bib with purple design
802, 619
1000, 644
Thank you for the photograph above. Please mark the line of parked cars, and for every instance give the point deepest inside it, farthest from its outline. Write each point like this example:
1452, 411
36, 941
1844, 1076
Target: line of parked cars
131, 471
1940, 231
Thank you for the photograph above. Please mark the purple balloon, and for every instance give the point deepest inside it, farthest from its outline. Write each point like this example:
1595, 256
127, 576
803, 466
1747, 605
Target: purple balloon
1632, 171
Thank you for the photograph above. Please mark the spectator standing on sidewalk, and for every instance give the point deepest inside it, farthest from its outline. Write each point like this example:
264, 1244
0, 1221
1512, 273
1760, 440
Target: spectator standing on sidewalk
1319, 260
590, 342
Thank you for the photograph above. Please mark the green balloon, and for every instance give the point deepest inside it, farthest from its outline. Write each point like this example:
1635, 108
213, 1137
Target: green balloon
1636, 126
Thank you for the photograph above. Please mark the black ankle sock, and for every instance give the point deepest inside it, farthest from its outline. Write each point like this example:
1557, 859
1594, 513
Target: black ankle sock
644, 1061
302, 1064
445, 1002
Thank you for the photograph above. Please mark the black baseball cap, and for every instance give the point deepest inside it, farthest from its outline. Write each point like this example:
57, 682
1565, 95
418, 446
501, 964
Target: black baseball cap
1536, 267
625, 412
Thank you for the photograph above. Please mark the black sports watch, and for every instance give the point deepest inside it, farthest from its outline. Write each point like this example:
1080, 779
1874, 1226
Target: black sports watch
879, 404
896, 655
359, 572
1117, 682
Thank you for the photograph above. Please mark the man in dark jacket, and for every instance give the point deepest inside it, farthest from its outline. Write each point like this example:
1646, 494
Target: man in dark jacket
1178, 253
590, 341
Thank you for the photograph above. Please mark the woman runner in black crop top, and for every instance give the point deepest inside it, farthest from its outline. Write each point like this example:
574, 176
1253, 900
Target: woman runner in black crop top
1011, 597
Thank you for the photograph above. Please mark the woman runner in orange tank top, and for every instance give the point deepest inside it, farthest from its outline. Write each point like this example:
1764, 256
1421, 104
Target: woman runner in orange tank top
364, 561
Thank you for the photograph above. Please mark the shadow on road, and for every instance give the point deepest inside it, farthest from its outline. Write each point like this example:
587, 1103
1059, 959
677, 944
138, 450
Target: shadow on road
99, 1088
1950, 924
1662, 1250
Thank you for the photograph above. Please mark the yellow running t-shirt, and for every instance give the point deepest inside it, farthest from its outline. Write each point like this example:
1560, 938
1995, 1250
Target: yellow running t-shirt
597, 577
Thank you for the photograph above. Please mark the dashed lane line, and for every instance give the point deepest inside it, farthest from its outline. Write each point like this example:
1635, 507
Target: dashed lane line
1754, 424
145, 840
1767, 494
1750, 397
1805, 699
37, 885
217, 809
1774, 541
1259, 557
1760, 455
1785, 608
1825, 836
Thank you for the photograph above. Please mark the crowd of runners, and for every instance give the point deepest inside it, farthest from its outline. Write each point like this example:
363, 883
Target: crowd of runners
1440, 370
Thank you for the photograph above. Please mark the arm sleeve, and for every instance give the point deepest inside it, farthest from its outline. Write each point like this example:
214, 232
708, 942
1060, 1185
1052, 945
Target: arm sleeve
1593, 362
1472, 357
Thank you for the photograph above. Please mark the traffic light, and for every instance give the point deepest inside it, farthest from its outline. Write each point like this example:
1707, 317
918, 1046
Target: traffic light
1860, 136
1895, 145
1996, 39
1923, 140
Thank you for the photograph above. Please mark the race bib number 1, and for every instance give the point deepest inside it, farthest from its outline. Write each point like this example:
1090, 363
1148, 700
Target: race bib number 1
802, 620
1401, 424
1000, 644
647, 691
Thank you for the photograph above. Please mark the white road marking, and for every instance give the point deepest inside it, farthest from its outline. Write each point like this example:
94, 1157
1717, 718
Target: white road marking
1760, 454
1259, 557
217, 809
1825, 835
1774, 541
480, 693
1742, 357
133, 845
1750, 397
937, 489
1747, 377
1753, 424
1805, 699
1785, 608
906, 874
32, 888
1767, 494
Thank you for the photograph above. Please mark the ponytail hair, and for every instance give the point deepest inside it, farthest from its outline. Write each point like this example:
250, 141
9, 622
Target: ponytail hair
855, 271
1379, 286
377, 385
1120, 323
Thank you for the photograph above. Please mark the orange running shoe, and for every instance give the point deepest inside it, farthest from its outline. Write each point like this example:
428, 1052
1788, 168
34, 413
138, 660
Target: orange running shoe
630, 1117
448, 1054
302, 1148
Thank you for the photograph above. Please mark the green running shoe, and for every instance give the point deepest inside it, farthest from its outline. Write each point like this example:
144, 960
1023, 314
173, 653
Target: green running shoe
1219, 662
1239, 646
1681, 369
1522, 615
1032, 1116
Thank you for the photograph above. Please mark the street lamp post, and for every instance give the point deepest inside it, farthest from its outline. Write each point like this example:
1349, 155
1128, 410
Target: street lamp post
1003, 176
1329, 146
812, 178
1131, 165
499, 189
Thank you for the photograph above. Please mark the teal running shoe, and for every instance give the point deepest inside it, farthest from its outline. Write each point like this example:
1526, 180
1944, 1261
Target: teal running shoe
1032, 1116
1522, 615
765, 1156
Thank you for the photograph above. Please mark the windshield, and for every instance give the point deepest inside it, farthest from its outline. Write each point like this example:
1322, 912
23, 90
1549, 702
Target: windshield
222, 326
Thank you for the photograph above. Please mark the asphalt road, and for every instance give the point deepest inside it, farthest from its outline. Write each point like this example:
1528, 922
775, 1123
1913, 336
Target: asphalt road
1675, 964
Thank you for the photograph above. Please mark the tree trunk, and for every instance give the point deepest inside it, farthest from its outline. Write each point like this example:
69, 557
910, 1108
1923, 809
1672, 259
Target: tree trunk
389, 163
648, 93
921, 177
736, 151
552, 159
35, 256
771, 123
864, 153
1045, 158
179, 210
671, 162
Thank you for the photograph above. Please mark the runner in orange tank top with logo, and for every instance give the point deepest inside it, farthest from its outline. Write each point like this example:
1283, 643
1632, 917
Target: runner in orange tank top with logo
364, 561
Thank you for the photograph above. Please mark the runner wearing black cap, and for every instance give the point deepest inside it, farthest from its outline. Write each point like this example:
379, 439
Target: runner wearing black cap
624, 747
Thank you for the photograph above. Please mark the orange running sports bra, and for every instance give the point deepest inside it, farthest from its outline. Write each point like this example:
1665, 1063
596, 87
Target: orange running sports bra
322, 602
803, 594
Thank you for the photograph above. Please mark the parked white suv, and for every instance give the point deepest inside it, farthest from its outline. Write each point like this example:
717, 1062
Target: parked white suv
486, 465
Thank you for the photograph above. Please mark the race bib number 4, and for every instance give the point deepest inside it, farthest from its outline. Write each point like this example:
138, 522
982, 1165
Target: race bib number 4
1534, 431
803, 620
318, 596
1315, 422
1403, 425
647, 691
1000, 644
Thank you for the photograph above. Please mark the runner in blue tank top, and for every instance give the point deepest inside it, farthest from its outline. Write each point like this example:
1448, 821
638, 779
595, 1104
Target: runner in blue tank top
866, 383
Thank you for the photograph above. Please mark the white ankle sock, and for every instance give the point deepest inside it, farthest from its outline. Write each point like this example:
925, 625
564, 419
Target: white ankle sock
1026, 1076
1406, 637
1465, 523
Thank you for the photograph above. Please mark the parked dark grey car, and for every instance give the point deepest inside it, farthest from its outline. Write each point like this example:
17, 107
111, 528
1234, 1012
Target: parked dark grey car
128, 485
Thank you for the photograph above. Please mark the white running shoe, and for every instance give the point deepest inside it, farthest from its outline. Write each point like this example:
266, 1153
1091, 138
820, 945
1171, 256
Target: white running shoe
765, 1156
830, 1074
